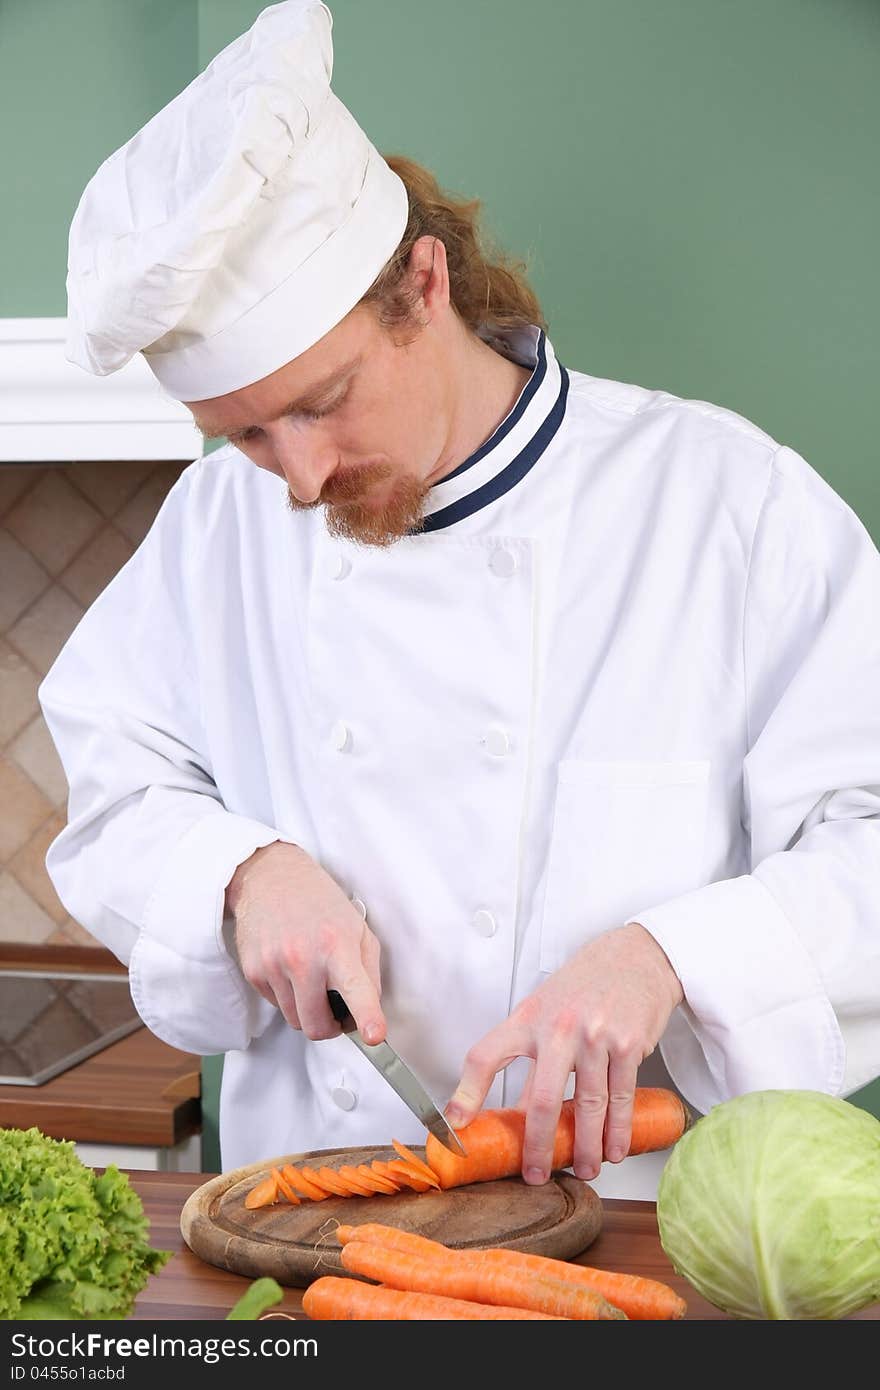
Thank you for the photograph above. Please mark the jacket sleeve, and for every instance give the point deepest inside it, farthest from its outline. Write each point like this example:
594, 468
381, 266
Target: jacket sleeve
149, 847
781, 967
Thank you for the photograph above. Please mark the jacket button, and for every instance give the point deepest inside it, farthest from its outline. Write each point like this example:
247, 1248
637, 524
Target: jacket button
485, 923
344, 1097
340, 737
502, 563
360, 906
498, 742
340, 566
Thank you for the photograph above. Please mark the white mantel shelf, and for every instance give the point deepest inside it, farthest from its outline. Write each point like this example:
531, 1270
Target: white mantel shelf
54, 412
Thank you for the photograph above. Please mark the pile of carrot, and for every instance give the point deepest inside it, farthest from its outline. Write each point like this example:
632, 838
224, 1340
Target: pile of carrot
494, 1149
417, 1278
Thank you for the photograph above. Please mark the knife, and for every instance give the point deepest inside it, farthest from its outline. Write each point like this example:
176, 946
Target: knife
399, 1077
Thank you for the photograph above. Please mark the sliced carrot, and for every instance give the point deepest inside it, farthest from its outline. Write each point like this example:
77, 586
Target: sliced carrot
330, 1179
311, 1174
373, 1180
350, 1175
417, 1172
263, 1194
379, 1183
406, 1175
302, 1184
383, 1171
414, 1161
285, 1188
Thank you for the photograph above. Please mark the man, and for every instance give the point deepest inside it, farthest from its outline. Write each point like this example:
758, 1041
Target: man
537, 714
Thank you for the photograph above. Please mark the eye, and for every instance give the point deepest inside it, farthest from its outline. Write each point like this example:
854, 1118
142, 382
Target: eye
327, 409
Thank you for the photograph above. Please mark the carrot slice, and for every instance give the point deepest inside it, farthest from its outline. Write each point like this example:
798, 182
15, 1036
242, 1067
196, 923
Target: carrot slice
414, 1161
407, 1175
350, 1175
263, 1194
330, 1179
382, 1169
379, 1184
364, 1179
302, 1184
311, 1174
418, 1171
285, 1188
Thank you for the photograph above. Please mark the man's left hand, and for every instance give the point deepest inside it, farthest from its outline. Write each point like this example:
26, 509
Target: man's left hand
598, 1016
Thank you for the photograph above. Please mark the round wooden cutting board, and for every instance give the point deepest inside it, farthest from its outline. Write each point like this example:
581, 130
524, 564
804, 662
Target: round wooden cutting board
295, 1244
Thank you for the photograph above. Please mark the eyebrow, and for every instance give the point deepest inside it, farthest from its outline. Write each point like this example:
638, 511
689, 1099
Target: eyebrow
316, 395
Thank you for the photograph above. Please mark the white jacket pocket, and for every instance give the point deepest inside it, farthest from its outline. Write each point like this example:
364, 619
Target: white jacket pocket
626, 835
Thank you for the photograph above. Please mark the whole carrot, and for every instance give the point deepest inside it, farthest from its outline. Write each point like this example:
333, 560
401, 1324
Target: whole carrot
494, 1138
334, 1299
640, 1298
469, 1275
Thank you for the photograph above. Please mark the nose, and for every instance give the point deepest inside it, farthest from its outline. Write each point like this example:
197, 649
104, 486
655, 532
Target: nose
306, 457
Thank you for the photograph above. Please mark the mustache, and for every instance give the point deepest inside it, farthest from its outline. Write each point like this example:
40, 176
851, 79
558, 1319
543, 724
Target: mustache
349, 514
345, 485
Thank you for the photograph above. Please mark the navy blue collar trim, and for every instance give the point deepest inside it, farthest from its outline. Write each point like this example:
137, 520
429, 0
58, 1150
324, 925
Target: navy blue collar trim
538, 373
509, 476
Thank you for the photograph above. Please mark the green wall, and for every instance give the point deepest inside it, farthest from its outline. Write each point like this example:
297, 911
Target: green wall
692, 182
76, 81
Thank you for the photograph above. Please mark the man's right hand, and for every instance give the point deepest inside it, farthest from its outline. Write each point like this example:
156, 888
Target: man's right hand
298, 935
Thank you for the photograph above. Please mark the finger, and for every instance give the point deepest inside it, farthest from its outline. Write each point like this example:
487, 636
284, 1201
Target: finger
523, 1102
590, 1105
370, 955
360, 992
546, 1092
481, 1065
622, 1072
282, 996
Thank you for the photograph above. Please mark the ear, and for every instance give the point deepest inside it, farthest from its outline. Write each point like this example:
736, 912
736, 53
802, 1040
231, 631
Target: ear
430, 274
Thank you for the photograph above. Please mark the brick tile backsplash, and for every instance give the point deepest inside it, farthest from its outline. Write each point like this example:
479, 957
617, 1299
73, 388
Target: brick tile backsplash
65, 531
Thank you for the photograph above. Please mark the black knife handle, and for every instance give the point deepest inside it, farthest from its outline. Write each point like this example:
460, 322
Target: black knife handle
340, 1010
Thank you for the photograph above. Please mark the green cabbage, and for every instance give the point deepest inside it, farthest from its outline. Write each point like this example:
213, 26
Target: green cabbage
73, 1243
770, 1206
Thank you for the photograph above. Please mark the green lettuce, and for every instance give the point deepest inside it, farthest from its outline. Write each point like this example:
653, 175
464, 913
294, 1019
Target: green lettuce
770, 1206
73, 1243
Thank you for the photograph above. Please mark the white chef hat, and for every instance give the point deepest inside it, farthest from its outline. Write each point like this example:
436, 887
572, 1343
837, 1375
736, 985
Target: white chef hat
239, 225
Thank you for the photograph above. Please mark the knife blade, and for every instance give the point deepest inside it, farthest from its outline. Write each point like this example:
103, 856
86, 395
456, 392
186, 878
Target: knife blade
399, 1077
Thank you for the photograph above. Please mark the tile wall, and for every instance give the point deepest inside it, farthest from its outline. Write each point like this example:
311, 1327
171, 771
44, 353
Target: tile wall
65, 531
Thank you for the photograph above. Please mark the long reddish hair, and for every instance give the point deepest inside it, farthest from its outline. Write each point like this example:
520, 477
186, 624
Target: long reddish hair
486, 286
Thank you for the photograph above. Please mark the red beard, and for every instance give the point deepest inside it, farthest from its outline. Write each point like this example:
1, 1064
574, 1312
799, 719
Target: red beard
350, 515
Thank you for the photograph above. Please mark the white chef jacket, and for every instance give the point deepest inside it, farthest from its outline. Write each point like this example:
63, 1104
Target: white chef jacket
629, 670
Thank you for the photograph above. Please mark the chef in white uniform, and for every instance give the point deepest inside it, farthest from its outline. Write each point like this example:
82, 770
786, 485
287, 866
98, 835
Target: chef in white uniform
537, 713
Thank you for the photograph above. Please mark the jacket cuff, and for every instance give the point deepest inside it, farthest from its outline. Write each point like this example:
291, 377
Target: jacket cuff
756, 1015
186, 985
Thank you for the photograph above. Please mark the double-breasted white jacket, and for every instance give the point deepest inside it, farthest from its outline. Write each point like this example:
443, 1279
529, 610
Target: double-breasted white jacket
629, 670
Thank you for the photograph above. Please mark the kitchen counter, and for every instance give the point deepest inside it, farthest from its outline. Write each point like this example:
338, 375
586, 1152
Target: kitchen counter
136, 1091
134, 1094
187, 1288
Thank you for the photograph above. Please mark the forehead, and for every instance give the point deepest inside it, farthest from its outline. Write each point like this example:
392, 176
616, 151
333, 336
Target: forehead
319, 370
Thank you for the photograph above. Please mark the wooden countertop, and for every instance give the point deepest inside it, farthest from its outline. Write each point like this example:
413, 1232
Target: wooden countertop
136, 1091
187, 1288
